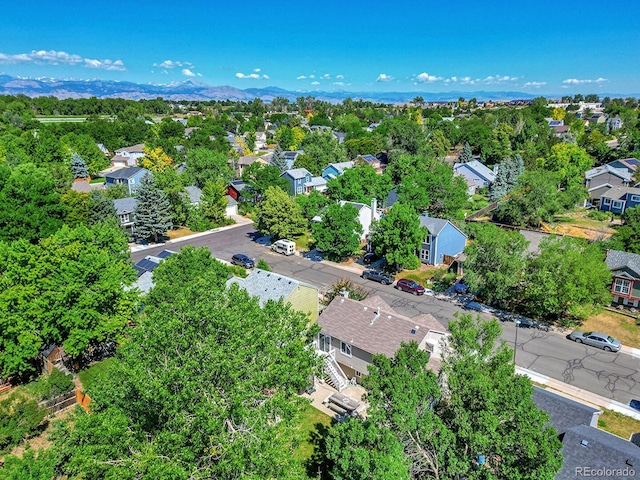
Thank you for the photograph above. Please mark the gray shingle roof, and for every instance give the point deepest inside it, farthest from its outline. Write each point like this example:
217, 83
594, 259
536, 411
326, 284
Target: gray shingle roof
589, 448
620, 172
126, 172
617, 259
267, 285
479, 168
434, 225
297, 172
619, 192
194, 193
564, 412
125, 205
360, 324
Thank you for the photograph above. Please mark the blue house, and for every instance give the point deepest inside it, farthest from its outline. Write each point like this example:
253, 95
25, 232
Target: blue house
334, 170
300, 180
618, 199
131, 177
443, 238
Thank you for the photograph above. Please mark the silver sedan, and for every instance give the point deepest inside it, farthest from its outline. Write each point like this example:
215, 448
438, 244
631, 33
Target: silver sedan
600, 340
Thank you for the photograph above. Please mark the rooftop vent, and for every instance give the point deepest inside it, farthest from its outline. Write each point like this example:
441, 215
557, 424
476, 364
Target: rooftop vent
584, 443
415, 329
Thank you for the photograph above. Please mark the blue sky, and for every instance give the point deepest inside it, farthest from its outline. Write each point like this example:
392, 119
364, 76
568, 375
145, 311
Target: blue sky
536, 46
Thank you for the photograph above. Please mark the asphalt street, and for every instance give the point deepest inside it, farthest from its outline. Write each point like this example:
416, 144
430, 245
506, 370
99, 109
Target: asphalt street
611, 375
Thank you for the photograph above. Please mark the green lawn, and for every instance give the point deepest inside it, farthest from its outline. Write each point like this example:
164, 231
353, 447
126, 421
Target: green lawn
312, 425
89, 375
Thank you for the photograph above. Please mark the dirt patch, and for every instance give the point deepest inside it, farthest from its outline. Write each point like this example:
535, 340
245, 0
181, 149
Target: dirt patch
181, 232
619, 326
618, 424
577, 224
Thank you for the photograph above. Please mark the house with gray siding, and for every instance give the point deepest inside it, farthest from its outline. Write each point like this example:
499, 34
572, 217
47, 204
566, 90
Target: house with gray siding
443, 238
351, 332
601, 179
125, 210
131, 177
476, 173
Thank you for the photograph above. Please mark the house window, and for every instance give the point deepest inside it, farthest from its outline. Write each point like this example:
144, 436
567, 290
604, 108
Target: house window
345, 348
622, 286
635, 198
606, 201
358, 374
424, 255
427, 241
299, 190
616, 204
124, 218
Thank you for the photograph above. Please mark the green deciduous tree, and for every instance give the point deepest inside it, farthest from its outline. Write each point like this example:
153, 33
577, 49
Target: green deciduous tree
77, 207
566, 280
320, 149
312, 204
214, 202
359, 184
204, 165
398, 236
495, 263
279, 215
339, 232
260, 177
627, 236
153, 211
188, 396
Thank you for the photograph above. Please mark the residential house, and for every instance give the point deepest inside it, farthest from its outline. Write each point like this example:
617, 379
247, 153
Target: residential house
103, 149
478, 174
261, 140
631, 164
366, 215
267, 286
586, 450
131, 177
145, 267
554, 123
376, 163
351, 332
618, 199
601, 179
334, 170
340, 136
125, 210
127, 156
195, 198
443, 239
615, 123
290, 157
392, 198
236, 188
625, 268
561, 130
51, 356
319, 184
299, 181
243, 162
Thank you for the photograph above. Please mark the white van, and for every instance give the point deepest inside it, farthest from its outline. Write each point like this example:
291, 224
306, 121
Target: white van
286, 247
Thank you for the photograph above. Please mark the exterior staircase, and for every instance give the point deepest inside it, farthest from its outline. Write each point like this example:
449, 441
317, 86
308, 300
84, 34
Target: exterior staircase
336, 376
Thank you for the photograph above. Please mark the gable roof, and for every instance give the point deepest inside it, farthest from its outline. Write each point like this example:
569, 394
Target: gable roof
618, 259
436, 225
125, 205
623, 173
134, 149
150, 262
194, 193
587, 447
373, 328
297, 173
318, 182
341, 166
126, 173
478, 168
267, 285
619, 192
238, 185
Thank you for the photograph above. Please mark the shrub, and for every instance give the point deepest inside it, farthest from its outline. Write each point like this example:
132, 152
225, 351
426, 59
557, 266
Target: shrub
598, 215
263, 265
356, 292
20, 418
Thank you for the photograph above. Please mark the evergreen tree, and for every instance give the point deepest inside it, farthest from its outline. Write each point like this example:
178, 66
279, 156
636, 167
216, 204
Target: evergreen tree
278, 160
466, 155
101, 208
507, 174
79, 167
153, 212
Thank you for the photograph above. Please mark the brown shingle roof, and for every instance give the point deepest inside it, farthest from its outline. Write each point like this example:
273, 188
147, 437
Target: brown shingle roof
375, 331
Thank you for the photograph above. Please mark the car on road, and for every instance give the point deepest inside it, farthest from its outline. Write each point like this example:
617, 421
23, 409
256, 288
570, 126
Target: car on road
461, 286
410, 286
242, 260
381, 277
478, 307
369, 258
596, 339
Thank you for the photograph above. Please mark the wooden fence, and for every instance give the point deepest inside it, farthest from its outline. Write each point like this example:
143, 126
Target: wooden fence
60, 402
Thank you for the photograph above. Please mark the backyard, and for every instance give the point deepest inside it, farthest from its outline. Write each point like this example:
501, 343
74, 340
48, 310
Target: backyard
620, 326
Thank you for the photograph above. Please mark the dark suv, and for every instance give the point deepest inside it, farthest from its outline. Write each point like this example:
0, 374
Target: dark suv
410, 286
383, 278
242, 260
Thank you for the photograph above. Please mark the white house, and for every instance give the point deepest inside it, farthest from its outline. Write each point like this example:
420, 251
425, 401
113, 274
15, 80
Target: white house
127, 156
366, 215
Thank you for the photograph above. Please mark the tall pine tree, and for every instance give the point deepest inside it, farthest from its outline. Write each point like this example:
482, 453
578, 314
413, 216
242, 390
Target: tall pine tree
466, 155
278, 160
79, 167
101, 208
153, 212
507, 174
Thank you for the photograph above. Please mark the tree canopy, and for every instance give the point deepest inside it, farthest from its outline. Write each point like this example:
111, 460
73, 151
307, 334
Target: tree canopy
398, 236
339, 231
279, 215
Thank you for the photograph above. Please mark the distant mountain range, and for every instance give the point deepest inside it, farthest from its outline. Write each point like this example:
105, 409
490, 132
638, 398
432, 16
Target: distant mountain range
190, 90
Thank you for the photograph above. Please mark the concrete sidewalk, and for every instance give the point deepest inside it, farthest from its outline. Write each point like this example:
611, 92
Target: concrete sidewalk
578, 394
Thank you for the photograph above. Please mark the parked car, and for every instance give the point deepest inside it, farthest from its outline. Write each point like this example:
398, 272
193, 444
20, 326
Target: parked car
461, 286
242, 260
383, 278
635, 404
600, 340
478, 307
410, 286
369, 258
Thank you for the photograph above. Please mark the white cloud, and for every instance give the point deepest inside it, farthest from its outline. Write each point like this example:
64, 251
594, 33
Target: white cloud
301, 77
256, 70
339, 77
170, 64
383, 77
312, 76
188, 73
424, 77
255, 76
53, 57
575, 81
326, 76
534, 84
315, 83
338, 83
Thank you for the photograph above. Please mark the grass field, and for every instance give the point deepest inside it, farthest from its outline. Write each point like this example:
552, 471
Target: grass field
618, 424
619, 326
312, 423
88, 376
